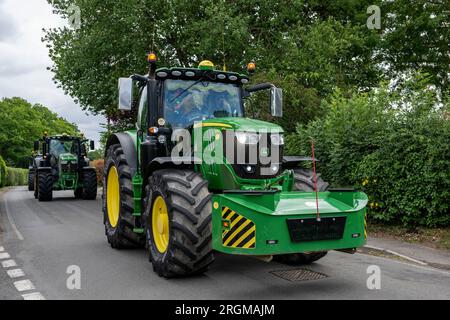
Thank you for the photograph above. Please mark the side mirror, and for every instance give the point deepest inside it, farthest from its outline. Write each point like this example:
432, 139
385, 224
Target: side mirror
276, 102
36, 145
92, 145
125, 94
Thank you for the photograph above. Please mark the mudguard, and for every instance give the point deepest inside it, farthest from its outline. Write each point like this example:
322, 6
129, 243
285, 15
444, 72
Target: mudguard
128, 144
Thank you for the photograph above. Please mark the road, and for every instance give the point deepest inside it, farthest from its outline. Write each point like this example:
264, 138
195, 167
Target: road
44, 239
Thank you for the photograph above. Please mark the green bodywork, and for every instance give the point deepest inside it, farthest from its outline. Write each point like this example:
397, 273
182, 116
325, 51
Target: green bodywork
68, 179
268, 212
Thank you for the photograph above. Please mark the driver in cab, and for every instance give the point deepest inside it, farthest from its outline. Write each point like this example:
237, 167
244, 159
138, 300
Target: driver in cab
186, 110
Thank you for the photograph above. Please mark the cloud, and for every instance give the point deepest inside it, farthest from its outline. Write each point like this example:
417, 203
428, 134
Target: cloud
24, 61
8, 27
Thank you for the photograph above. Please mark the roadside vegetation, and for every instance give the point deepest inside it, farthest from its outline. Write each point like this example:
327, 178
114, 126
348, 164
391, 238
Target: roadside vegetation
391, 143
11, 177
21, 123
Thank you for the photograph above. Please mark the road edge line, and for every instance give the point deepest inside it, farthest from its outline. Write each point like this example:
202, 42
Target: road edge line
397, 254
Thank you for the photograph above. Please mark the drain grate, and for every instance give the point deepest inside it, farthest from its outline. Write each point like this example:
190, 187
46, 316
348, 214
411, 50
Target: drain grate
299, 275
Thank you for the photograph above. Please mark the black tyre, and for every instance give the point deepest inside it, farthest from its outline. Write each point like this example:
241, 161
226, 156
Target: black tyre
45, 186
36, 186
304, 181
30, 180
118, 205
186, 248
78, 193
89, 185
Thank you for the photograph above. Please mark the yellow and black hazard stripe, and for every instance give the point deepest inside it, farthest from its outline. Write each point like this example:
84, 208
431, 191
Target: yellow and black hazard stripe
365, 226
240, 231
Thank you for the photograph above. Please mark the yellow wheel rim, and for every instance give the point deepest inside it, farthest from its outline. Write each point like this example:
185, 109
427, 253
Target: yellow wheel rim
160, 224
113, 197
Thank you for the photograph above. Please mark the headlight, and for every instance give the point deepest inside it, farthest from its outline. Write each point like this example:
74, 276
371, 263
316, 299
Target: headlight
248, 138
277, 139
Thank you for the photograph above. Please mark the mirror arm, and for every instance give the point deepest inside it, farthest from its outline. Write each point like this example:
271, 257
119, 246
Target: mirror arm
139, 78
259, 87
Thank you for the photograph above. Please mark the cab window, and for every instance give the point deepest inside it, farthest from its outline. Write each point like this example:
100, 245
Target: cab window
143, 108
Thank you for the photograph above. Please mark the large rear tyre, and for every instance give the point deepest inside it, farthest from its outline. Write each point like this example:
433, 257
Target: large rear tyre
304, 181
31, 180
178, 223
118, 204
89, 185
45, 186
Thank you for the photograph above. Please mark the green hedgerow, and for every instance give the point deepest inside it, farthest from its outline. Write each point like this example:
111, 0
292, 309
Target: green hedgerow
394, 145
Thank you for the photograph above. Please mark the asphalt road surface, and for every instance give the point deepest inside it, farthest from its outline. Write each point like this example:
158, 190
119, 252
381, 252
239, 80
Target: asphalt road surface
43, 239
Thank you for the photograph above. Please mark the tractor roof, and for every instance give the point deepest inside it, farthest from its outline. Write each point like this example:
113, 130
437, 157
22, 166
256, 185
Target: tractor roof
64, 137
179, 73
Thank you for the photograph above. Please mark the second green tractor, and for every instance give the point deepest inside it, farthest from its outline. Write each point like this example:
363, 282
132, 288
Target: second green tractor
61, 163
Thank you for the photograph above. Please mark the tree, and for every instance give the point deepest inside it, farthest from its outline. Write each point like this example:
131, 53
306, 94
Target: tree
22, 123
311, 46
416, 37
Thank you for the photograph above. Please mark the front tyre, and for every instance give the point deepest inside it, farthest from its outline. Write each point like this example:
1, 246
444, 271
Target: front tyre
31, 180
304, 181
178, 215
89, 185
45, 186
118, 204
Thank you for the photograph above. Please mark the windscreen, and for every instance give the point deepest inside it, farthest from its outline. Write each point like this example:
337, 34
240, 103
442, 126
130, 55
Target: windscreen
58, 147
186, 102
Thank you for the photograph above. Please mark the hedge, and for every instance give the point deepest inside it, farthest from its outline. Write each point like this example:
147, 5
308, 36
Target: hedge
99, 165
392, 145
2, 172
16, 177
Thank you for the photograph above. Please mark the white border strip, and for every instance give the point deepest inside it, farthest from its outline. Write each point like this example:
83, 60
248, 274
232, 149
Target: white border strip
398, 255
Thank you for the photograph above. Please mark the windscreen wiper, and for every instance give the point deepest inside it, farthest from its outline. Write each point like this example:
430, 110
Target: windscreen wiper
188, 88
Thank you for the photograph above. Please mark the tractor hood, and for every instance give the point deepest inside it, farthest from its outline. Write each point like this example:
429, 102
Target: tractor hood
66, 157
243, 124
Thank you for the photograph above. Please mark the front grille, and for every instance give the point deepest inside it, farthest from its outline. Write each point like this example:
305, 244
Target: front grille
254, 156
303, 230
68, 167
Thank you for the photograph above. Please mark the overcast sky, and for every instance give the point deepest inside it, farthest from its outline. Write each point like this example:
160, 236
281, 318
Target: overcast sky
24, 61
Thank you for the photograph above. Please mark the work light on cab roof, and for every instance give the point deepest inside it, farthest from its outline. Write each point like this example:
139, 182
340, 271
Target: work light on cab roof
206, 65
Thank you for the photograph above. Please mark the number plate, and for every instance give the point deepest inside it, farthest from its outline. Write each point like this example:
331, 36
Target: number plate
303, 230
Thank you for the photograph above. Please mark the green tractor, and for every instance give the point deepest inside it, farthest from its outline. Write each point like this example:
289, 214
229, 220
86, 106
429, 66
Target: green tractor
61, 163
194, 178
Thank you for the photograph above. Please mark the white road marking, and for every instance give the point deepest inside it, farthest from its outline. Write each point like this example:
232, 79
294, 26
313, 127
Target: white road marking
11, 220
33, 296
24, 285
407, 264
15, 273
4, 255
398, 255
9, 264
